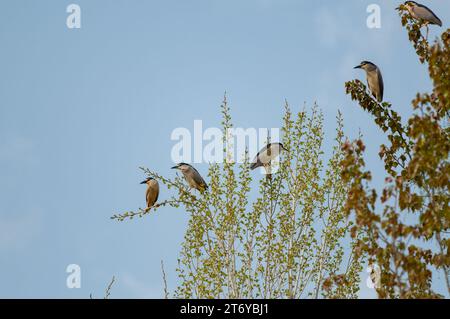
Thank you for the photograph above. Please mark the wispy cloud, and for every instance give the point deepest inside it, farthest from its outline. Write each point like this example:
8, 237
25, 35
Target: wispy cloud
139, 289
327, 27
17, 231
336, 26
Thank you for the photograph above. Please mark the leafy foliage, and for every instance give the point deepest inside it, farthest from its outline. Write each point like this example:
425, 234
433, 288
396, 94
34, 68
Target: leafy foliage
408, 237
288, 242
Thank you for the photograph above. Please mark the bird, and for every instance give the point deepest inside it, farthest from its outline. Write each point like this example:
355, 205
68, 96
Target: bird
152, 193
420, 12
192, 176
267, 154
374, 79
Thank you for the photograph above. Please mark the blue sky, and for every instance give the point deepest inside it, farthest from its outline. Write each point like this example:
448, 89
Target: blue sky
81, 110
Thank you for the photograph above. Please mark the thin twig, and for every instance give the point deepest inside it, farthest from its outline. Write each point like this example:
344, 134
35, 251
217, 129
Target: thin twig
108, 289
166, 292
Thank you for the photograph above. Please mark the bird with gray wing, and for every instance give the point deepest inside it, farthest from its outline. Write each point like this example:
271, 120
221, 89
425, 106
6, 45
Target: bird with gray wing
420, 12
192, 176
267, 154
152, 192
374, 79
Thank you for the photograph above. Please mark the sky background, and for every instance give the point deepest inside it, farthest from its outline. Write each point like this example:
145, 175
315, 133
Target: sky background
82, 109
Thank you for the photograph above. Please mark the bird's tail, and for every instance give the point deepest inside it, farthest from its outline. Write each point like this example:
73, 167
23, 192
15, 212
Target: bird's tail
254, 165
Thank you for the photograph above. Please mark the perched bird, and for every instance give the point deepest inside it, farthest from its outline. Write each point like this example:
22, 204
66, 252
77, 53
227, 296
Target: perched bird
267, 154
152, 192
192, 176
374, 79
420, 12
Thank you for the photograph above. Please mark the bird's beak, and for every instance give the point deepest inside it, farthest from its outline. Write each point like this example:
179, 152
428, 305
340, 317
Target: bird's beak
174, 167
144, 182
285, 149
357, 67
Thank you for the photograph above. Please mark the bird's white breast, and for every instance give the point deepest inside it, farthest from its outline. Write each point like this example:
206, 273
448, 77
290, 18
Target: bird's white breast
372, 80
154, 184
269, 154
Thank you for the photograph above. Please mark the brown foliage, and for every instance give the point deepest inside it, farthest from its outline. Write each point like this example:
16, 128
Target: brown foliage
406, 234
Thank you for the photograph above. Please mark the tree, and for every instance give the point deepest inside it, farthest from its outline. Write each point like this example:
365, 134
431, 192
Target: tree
405, 229
292, 241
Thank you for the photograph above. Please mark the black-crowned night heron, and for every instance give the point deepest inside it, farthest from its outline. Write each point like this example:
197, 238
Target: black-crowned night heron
152, 192
192, 176
420, 12
267, 154
374, 79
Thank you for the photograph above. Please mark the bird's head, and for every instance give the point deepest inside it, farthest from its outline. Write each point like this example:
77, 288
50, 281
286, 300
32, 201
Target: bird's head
410, 4
283, 148
181, 166
366, 66
407, 5
147, 180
